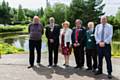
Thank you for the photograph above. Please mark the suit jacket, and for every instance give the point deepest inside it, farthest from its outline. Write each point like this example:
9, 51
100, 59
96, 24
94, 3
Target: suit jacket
90, 40
81, 36
53, 34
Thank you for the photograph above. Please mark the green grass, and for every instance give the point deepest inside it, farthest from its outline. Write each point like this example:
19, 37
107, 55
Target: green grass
116, 49
9, 49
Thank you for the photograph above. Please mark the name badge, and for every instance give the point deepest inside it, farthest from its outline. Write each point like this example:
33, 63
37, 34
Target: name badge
92, 35
89, 40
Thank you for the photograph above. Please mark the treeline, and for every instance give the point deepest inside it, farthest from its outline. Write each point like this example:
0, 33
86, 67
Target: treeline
10, 15
86, 10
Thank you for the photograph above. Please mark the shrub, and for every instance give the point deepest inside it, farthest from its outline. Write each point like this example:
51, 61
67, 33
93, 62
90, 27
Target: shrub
11, 28
9, 49
116, 35
116, 49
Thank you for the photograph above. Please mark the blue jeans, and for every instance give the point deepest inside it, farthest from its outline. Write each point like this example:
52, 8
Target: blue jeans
104, 52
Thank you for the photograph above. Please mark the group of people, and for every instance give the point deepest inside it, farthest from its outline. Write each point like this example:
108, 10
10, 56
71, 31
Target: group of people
95, 42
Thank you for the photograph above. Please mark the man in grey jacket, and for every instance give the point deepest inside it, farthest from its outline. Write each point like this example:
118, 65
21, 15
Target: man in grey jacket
35, 32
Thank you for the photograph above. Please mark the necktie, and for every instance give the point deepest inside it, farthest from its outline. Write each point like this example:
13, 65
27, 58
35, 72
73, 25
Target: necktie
77, 34
102, 35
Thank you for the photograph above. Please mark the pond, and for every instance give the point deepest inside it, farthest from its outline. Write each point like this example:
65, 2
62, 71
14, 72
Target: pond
20, 41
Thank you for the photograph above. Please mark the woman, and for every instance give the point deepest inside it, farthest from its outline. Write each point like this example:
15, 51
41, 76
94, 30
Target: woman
91, 52
65, 41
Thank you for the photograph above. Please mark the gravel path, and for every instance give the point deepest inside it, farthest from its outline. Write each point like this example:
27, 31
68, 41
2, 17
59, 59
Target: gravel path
14, 67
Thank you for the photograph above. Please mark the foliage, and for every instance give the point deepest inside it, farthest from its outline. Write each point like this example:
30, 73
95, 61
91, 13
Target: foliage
20, 14
8, 49
5, 16
116, 49
116, 35
12, 28
86, 10
59, 11
115, 21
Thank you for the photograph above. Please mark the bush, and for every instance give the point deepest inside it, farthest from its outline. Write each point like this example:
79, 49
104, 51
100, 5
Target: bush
9, 49
116, 35
11, 28
116, 49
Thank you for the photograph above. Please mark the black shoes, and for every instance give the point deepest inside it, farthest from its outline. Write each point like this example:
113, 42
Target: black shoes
66, 65
109, 76
55, 65
80, 67
76, 67
89, 69
30, 67
98, 72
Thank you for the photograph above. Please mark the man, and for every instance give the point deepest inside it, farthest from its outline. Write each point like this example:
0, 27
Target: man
103, 36
35, 31
52, 34
78, 36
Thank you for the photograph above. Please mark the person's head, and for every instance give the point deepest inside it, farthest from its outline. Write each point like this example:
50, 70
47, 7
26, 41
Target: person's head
51, 20
103, 20
90, 25
36, 20
66, 24
78, 23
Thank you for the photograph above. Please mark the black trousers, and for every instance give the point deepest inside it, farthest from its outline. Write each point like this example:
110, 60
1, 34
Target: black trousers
105, 52
33, 44
79, 56
53, 50
91, 54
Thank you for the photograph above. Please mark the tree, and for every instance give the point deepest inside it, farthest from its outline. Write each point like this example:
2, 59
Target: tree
21, 14
5, 16
59, 11
40, 12
118, 15
86, 10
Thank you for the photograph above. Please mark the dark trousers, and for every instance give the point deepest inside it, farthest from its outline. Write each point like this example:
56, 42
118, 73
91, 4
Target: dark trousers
91, 54
33, 44
53, 49
79, 56
105, 52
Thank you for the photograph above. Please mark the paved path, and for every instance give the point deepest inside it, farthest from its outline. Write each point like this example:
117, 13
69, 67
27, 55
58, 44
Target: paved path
14, 67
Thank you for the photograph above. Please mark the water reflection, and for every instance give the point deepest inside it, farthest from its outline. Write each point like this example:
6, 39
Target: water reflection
21, 41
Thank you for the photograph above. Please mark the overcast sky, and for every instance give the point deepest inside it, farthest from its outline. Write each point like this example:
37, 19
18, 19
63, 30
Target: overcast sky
111, 5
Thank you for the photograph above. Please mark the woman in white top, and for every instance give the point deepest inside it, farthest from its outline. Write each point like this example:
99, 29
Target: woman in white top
65, 41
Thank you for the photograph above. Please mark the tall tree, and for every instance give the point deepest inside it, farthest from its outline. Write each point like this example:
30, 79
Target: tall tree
118, 15
86, 10
5, 16
21, 14
59, 11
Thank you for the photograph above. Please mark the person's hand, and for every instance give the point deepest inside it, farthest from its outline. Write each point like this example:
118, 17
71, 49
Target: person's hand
51, 41
70, 45
102, 44
75, 45
78, 44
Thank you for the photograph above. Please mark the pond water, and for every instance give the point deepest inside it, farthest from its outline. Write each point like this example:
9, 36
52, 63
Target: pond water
20, 41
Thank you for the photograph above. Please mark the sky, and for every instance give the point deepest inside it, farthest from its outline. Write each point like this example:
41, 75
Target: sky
110, 9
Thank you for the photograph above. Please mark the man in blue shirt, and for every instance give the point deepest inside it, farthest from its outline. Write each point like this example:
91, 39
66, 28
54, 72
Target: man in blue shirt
103, 37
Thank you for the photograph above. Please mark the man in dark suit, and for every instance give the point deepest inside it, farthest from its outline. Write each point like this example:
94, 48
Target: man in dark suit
52, 34
78, 36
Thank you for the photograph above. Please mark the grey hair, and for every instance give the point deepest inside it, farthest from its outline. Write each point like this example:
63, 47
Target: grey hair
79, 20
51, 18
